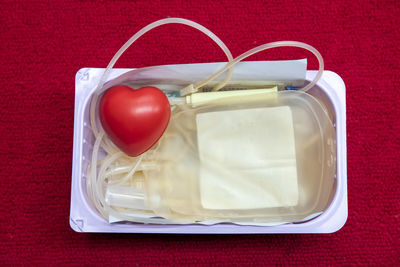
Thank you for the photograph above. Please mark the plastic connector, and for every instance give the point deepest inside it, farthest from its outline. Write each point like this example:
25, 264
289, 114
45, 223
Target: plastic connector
202, 98
126, 197
188, 90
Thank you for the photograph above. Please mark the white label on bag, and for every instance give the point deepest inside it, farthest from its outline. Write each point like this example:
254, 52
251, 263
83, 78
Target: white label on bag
248, 158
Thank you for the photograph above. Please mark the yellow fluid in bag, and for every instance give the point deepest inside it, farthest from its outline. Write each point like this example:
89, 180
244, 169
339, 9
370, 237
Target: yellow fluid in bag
264, 158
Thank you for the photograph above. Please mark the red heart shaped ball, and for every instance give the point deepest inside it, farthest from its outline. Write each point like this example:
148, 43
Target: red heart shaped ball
134, 119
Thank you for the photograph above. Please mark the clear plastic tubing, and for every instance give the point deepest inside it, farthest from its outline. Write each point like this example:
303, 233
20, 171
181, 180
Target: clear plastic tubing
266, 47
137, 36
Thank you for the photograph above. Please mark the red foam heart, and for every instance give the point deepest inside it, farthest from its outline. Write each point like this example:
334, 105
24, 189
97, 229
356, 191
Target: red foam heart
134, 119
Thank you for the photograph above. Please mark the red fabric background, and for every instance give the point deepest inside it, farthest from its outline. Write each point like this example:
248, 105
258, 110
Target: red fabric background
43, 44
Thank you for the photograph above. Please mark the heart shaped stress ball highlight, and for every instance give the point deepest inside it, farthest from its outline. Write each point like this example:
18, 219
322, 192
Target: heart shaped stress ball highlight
134, 119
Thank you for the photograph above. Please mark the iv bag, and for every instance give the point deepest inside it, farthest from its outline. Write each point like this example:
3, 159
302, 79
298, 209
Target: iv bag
267, 159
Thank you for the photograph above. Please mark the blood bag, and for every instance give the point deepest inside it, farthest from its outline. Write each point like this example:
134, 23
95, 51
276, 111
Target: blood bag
265, 158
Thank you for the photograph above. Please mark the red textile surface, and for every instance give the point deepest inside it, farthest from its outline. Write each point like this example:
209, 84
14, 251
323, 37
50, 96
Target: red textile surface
44, 43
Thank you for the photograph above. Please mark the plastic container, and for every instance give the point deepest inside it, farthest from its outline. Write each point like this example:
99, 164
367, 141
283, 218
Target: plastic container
84, 218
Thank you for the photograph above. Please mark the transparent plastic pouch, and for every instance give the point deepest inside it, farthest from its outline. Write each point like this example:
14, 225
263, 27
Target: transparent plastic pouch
253, 157
264, 158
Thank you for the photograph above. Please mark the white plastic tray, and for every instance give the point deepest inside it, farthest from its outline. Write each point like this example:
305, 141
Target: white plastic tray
83, 218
